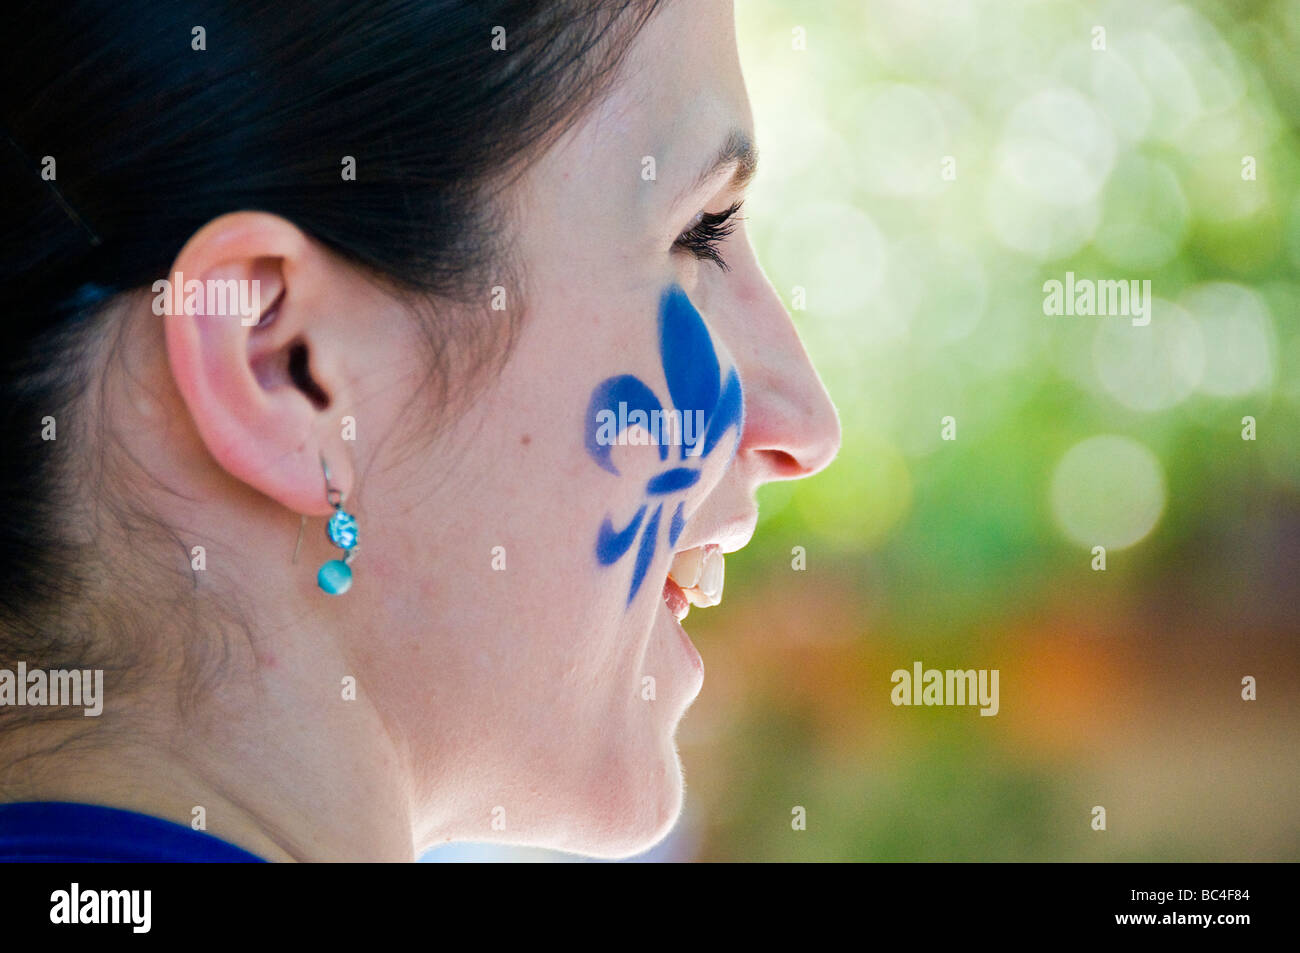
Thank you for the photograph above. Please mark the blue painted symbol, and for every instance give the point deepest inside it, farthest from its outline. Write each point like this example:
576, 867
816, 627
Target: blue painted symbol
695, 386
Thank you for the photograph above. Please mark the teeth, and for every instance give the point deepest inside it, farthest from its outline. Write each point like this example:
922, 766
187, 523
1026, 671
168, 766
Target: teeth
685, 570
713, 572
700, 572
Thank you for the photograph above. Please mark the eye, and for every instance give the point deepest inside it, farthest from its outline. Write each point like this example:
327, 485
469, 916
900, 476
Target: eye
705, 235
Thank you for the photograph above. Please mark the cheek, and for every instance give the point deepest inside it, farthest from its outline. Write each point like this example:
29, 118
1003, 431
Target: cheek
530, 491
551, 533
506, 638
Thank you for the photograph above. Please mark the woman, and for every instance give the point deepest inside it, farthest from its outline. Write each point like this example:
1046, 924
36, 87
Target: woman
367, 370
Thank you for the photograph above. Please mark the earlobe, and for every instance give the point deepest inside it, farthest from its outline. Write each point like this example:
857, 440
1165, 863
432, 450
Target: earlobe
254, 384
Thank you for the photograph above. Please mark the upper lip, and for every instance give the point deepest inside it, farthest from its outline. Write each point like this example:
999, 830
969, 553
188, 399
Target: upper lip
729, 534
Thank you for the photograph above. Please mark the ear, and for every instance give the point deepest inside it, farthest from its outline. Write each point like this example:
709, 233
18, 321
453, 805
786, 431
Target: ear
263, 380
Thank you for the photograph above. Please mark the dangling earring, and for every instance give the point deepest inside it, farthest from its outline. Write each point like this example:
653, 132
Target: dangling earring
335, 576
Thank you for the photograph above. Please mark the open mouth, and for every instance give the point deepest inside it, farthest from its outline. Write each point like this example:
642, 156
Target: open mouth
695, 578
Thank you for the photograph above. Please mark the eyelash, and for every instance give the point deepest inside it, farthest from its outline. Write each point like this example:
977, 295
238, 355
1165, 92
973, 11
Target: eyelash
705, 237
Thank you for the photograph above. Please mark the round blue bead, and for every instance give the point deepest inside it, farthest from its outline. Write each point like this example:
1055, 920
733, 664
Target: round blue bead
342, 529
335, 577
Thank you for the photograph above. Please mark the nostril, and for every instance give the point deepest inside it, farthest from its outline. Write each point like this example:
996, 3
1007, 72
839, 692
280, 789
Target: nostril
782, 465
792, 429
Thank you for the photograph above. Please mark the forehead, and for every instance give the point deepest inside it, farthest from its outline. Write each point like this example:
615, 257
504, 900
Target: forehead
678, 94
681, 88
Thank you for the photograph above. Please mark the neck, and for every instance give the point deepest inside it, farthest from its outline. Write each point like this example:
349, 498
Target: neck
282, 765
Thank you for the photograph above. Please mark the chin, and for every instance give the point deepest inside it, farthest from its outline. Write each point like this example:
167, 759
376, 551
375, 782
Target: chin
631, 814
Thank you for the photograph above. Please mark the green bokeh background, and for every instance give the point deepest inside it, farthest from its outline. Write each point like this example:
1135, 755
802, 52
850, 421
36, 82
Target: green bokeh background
924, 299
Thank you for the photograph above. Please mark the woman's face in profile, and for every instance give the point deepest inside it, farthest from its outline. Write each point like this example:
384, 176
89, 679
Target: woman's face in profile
544, 651
510, 656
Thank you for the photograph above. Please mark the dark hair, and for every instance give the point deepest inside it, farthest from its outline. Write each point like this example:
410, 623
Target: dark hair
152, 137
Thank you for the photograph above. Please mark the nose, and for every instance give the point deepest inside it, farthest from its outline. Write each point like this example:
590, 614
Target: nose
791, 428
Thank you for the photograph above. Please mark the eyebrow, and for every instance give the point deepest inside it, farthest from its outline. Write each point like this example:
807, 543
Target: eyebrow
738, 148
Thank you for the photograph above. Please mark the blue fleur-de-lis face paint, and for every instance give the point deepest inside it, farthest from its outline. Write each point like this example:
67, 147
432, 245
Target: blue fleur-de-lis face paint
705, 406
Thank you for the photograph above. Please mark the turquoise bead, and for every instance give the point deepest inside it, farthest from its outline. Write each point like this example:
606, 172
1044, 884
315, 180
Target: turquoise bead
342, 529
335, 577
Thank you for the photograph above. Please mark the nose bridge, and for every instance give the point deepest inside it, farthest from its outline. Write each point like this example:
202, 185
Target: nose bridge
791, 425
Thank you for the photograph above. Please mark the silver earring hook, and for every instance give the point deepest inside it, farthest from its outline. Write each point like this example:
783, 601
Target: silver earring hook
332, 494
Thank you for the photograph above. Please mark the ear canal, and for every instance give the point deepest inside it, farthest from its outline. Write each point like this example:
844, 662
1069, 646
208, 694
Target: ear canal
300, 374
